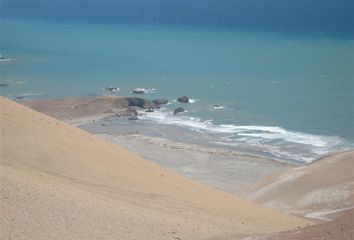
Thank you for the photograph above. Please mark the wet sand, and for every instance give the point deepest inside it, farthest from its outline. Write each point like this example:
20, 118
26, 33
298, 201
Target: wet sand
220, 168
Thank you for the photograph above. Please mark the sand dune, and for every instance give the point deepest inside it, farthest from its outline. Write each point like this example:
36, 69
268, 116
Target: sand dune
320, 190
341, 228
59, 182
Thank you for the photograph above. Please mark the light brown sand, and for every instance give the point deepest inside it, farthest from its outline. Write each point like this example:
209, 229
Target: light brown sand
59, 182
341, 228
320, 190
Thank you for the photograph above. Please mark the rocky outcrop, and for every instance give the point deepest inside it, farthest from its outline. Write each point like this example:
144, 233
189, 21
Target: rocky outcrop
183, 99
160, 101
140, 102
178, 110
89, 106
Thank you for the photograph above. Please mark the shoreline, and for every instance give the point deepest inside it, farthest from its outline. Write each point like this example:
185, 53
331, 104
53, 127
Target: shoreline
218, 167
181, 150
226, 170
111, 114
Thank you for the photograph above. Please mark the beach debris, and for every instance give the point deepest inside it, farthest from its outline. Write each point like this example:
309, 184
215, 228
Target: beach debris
150, 110
112, 89
133, 118
178, 110
108, 111
160, 101
183, 99
131, 111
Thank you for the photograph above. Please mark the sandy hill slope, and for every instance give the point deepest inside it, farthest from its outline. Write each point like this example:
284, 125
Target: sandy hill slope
59, 182
341, 228
320, 190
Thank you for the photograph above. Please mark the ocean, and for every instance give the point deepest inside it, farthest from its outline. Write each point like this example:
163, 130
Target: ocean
288, 94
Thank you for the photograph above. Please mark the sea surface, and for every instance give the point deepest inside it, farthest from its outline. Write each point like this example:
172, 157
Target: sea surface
288, 94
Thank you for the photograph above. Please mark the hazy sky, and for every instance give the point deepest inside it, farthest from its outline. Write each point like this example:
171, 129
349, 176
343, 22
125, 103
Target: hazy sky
332, 15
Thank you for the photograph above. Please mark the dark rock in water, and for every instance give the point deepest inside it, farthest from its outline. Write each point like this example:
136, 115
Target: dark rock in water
18, 97
160, 101
179, 110
139, 90
112, 89
136, 102
3, 85
140, 102
217, 106
150, 110
183, 99
133, 118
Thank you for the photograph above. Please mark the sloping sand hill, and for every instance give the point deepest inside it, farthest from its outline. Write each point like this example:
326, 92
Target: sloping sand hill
320, 190
341, 228
59, 182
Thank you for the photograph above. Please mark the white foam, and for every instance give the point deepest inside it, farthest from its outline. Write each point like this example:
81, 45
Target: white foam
27, 94
5, 59
218, 107
191, 100
276, 140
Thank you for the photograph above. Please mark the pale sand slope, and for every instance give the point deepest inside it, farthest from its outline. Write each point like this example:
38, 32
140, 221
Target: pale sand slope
319, 190
59, 182
341, 228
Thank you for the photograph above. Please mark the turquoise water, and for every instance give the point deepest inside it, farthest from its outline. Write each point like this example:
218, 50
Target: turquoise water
290, 92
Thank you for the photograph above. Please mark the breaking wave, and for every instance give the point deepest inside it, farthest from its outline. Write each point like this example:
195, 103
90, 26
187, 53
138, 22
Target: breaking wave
270, 141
